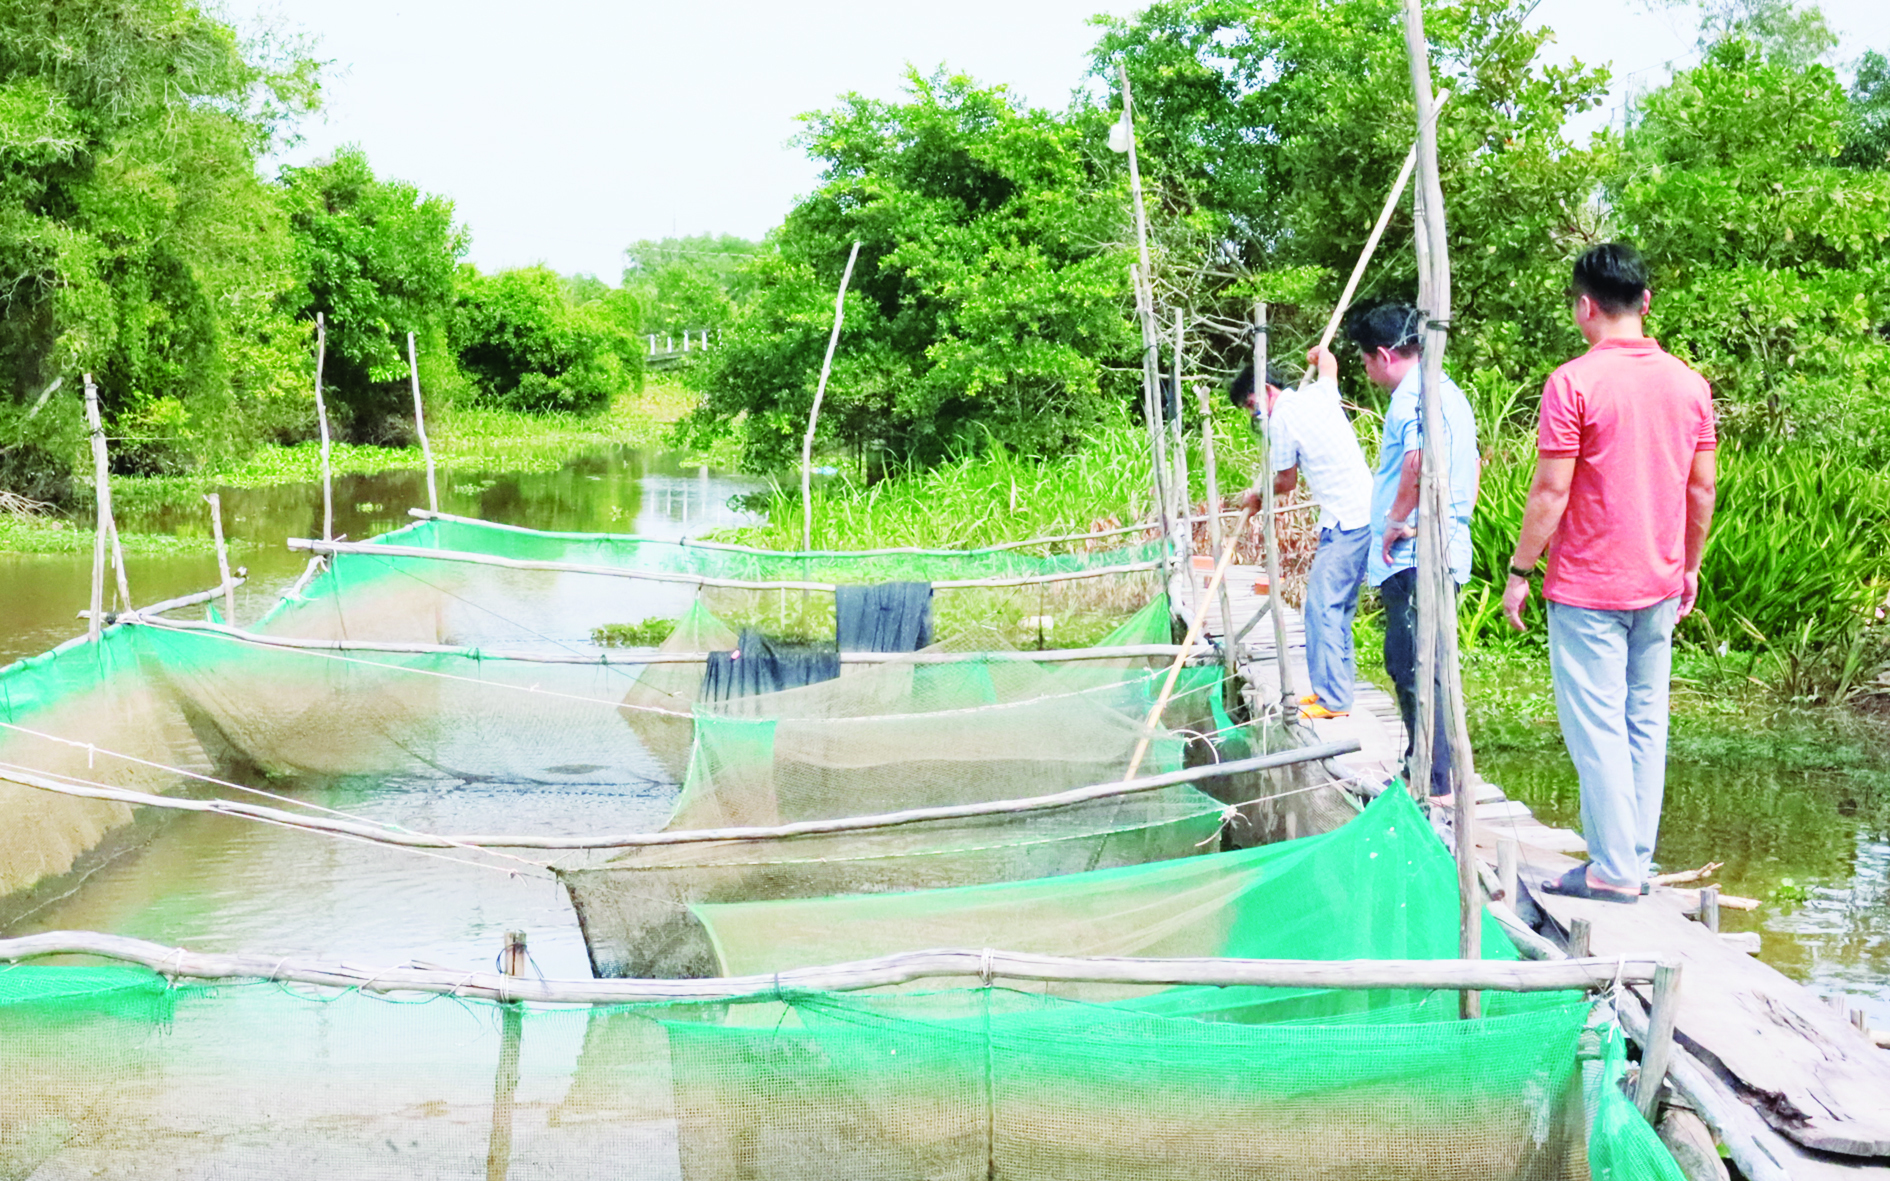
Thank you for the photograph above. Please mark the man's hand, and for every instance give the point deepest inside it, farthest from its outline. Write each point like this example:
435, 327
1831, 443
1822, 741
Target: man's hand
1250, 500
1321, 358
1515, 598
1689, 592
1393, 535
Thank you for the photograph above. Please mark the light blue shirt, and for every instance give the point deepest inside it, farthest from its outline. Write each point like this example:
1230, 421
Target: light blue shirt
1404, 433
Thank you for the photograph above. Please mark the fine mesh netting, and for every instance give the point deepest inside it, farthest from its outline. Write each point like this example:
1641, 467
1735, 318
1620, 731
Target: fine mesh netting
403, 597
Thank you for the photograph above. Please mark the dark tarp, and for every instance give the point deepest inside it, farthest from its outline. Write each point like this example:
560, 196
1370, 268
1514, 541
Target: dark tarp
762, 664
885, 617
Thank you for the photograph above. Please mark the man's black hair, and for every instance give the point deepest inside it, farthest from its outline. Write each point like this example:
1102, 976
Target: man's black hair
1241, 392
1614, 276
1391, 326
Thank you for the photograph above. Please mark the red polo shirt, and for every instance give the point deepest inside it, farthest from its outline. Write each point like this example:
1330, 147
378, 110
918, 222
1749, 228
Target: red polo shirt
1632, 416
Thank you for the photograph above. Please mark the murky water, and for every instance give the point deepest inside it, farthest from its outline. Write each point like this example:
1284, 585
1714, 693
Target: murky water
1812, 848
216, 883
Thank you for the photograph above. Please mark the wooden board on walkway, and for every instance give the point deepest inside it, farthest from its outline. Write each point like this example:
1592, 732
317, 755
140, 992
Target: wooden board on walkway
1804, 1068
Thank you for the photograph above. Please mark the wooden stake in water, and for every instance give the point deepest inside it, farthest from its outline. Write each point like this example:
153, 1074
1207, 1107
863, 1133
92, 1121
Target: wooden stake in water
420, 426
102, 489
505, 1081
1269, 525
321, 417
1214, 531
223, 558
813, 416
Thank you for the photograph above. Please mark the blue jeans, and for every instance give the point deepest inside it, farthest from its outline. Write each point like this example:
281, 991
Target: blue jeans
1331, 606
1612, 672
1399, 593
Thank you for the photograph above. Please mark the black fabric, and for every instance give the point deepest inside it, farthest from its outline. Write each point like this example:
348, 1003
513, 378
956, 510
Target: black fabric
885, 617
1399, 594
762, 664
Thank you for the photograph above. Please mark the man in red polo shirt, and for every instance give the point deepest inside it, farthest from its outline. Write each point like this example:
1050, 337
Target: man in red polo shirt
1622, 500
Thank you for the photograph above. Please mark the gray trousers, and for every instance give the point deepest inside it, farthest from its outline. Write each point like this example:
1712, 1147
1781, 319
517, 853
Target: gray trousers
1612, 671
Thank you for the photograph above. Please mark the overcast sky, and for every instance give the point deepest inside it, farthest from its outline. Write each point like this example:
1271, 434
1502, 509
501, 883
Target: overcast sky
564, 130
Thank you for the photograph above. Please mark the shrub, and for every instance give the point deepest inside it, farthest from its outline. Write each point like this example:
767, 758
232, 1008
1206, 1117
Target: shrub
532, 340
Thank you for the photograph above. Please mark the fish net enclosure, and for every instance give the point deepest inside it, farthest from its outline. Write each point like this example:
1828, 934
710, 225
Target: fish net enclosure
432, 597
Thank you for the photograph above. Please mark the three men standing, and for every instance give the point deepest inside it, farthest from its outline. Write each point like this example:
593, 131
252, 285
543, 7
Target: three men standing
1622, 501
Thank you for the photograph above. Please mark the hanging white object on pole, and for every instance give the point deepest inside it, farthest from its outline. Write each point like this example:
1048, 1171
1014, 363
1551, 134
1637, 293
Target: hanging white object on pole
820, 393
321, 416
227, 584
420, 426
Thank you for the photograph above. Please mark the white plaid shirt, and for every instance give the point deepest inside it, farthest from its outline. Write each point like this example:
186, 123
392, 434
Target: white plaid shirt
1310, 431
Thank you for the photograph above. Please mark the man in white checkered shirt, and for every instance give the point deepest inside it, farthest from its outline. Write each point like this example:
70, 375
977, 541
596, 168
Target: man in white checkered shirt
1310, 433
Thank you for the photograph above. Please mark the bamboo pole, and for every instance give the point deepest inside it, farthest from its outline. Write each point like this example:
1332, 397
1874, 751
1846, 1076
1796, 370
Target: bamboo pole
142, 616
505, 1078
1657, 1048
418, 840
1178, 450
1174, 670
1289, 694
1209, 473
102, 494
321, 416
633, 659
310, 545
1378, 231
1142, 276
903, 968
820, 394
223, 558
420, 426
692, 543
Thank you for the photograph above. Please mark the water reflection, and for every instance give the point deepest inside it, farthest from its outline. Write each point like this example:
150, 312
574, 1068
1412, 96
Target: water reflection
1806, 844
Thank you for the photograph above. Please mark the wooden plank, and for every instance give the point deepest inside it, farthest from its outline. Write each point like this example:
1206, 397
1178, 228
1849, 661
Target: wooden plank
1805, 1070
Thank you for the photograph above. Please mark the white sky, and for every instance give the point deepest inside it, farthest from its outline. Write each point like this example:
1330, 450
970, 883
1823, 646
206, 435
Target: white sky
566, 129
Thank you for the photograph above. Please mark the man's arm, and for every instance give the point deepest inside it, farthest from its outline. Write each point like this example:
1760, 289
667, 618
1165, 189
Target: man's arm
1548, 499
1405, 503
1286, 481
1702, 493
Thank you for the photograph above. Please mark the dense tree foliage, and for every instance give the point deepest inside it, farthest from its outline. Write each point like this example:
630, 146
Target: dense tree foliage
376, 258
533, 340
137, 240
986, 303
684, 283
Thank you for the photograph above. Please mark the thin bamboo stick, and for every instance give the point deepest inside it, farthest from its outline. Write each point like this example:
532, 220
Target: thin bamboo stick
1174, 670
420, 425
102, 494
690, 543
407, 838
1152, 408
1213, 514
904, 968
445, 555
321, 416
1043, 656
820, 393
1289, 705
1178, 449
143, 615
223, 558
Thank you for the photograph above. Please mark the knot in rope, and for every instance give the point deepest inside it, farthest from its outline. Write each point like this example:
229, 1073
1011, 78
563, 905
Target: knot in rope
984, 967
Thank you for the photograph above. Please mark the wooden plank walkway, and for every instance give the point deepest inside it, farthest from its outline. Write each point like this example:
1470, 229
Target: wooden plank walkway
1807, 1072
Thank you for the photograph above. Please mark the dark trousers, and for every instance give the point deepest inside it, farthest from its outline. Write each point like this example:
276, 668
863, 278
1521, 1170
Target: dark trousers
1399, 593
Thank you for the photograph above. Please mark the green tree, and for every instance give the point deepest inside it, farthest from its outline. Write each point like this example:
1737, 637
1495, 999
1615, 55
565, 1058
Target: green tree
533, 340
684, 282
138, 242
377, 258
1271, 132
1867, 135
987, 302
1771, 268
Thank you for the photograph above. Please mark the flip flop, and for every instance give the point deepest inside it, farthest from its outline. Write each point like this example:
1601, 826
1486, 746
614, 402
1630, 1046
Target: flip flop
1574, 884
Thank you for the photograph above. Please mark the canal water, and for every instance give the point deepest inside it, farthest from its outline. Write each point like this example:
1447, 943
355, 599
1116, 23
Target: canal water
1815, 849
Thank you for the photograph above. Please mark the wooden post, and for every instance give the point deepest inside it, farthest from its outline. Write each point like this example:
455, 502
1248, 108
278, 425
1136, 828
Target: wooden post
1658, 1047
1579, 937
1178, 448
1709, 907
1437, 613
1228, 640
1269, 526
321, 415
820, 392
420, 427
1143, 277
505, 1081
1506, 855
223, 558
102, 493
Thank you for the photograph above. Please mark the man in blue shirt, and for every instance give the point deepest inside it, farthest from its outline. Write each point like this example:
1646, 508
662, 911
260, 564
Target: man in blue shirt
1387, 340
